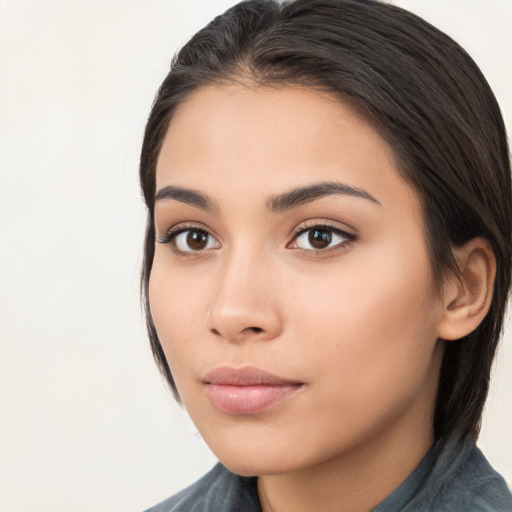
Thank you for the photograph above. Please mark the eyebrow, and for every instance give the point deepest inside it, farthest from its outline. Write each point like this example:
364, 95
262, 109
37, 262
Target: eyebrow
188, 196
304, 195
282, 202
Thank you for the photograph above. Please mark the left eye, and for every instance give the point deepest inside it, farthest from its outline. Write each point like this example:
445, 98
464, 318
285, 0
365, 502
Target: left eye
321, 237
193, 240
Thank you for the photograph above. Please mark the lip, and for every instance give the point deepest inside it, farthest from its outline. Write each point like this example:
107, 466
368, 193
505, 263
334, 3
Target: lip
247, 390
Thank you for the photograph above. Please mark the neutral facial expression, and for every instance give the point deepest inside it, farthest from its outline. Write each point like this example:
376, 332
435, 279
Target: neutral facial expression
291, 287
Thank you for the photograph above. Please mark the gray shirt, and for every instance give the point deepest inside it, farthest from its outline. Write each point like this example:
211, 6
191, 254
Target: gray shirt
453, 477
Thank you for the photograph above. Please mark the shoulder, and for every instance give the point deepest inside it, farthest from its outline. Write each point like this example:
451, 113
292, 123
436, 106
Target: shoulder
217, 491
473, 485
192, 496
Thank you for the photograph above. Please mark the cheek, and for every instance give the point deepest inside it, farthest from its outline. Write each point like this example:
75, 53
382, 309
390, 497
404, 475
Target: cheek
177, 306
374, 329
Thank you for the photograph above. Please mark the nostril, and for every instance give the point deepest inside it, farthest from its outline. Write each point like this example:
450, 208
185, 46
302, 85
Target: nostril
247, 330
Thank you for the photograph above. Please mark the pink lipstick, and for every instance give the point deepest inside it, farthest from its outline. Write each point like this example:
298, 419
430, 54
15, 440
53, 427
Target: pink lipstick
247, 390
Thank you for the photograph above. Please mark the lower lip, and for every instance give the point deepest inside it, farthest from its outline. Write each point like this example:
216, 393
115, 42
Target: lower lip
252, 399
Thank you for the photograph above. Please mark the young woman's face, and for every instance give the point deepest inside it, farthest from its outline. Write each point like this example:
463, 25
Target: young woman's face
291, 287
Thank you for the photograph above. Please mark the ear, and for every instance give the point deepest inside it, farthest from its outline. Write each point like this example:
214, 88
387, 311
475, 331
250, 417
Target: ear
468, 295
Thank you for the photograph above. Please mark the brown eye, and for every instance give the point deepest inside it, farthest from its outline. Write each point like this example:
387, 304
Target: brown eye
320, 238
197, 240
193, 240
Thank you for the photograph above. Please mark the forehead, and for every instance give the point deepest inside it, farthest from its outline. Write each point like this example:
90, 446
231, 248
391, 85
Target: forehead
235, 137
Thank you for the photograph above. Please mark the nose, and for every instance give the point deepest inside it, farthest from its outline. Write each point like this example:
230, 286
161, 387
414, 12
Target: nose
245, 305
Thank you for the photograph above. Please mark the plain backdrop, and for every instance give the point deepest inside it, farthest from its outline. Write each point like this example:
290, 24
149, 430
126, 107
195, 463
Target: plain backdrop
86, 422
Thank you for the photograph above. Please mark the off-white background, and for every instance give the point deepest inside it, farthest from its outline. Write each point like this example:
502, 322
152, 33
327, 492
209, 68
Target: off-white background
86, 423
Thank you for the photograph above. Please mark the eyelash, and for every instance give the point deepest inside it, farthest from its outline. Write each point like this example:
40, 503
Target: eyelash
323, 227
170, 237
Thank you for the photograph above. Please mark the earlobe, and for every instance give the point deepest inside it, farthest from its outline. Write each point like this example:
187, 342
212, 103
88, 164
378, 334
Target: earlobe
468, 295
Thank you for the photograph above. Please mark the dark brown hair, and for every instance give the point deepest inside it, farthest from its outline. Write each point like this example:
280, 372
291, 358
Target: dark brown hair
427, 98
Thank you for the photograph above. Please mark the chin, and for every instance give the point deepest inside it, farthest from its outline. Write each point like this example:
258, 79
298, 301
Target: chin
260, 467
265, 456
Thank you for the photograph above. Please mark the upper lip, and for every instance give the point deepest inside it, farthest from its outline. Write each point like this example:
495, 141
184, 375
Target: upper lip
245, 376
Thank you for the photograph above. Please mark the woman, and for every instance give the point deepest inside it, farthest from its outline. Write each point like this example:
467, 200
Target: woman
327, 258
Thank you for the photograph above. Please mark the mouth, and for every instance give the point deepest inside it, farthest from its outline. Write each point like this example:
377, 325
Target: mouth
247, 390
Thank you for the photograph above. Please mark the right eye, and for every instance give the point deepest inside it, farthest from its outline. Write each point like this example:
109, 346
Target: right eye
190, 240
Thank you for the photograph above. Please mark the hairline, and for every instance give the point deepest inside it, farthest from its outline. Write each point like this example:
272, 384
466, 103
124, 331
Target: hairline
244, 75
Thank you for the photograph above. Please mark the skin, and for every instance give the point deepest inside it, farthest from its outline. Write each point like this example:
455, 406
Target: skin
356, 323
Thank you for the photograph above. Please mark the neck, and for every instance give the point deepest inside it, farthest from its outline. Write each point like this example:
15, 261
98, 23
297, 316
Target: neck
358, 478
354, 481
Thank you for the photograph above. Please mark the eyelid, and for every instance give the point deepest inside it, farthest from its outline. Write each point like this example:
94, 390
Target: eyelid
322, 224
170, 238
326, 225
176, 229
